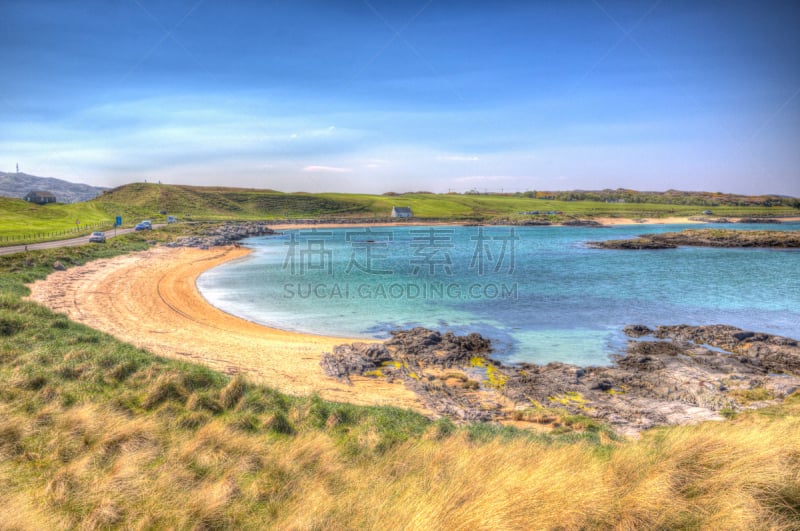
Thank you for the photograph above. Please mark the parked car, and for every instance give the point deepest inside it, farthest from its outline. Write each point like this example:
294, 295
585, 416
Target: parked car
147, 224
141, 226
98, 237
172, 219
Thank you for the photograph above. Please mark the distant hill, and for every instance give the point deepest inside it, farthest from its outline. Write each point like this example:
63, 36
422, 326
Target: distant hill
18, 184
669, 197
149, 200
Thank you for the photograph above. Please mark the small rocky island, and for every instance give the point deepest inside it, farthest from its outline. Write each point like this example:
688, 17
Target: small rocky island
670, 375
707, 238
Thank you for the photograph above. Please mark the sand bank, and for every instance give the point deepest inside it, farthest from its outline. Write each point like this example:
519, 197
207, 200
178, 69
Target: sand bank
150, 299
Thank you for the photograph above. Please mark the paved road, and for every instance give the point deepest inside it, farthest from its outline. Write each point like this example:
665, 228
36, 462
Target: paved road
72, 242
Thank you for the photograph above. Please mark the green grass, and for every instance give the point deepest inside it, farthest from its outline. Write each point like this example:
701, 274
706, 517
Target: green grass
20, 219
138, 201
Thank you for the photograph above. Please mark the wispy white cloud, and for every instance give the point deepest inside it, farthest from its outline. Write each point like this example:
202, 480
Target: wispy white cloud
326, 169
459, 158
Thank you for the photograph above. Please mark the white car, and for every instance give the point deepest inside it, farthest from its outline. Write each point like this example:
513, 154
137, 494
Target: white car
98, 237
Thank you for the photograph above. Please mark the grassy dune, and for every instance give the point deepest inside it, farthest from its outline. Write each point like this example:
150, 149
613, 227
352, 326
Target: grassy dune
97, 434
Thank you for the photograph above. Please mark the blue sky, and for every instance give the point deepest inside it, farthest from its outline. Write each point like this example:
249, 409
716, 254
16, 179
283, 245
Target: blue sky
375, 96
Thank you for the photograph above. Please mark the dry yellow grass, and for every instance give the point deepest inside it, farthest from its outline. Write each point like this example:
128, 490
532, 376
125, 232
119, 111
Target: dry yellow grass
109, 469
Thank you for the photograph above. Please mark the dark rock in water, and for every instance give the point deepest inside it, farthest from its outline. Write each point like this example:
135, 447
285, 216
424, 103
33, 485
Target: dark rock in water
635, 244
637, 330
582, 223
708, 238
759, 220
532, 223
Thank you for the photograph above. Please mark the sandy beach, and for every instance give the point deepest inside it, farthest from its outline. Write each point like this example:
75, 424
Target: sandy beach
150, 299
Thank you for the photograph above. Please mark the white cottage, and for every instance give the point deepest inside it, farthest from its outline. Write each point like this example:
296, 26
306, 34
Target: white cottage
402, 212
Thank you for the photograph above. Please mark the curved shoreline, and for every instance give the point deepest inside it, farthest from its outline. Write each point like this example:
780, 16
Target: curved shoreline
150, 299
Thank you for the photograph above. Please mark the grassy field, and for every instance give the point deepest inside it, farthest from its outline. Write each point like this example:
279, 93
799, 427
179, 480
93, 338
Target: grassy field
138, 201
19, 219
95, 434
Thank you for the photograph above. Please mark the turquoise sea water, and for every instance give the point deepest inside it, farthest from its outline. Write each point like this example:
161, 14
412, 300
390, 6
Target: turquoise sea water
539, 292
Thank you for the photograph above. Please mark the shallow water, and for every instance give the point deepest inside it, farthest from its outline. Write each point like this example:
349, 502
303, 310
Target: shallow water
539, 292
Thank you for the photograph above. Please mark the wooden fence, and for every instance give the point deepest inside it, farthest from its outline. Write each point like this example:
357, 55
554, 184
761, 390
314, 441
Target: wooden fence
35, 237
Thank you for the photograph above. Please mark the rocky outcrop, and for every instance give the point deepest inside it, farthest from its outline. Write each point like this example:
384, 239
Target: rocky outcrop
418, 357
637, 330
759, 220
582, 223
707, 238
354, 359
670, 375
225, 234
432, 349
524, 222
772, 353
636, 243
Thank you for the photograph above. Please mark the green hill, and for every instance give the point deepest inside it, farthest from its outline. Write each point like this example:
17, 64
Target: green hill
216, 203
138, 201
